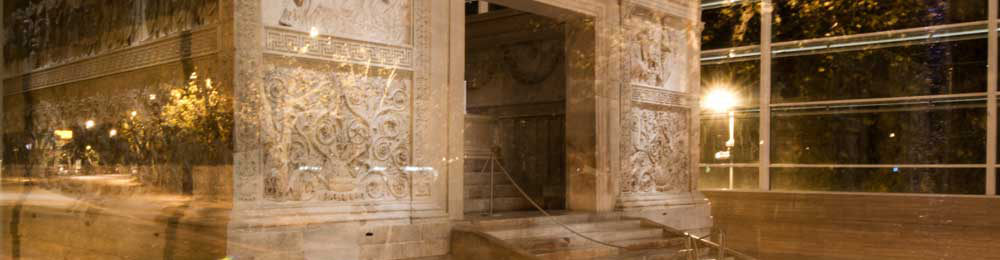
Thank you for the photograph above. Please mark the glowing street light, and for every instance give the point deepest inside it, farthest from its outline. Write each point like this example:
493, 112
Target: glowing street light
89, 124
722, 100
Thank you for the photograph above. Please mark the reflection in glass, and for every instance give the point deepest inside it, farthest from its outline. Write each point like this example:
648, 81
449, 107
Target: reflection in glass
893, 180
912, 70
718, 178
806, 19
714, 134
742, 77
97, 129
925, 132
731, 26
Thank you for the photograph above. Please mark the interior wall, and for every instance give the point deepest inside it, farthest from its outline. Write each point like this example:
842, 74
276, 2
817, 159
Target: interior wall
143, 173
515, 73
783, 225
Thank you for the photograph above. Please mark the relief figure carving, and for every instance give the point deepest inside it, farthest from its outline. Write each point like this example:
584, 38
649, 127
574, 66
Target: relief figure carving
58, 31
657, 53
386, 21
658, 157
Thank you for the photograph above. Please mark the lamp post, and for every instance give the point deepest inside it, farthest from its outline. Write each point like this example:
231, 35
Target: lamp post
722, 100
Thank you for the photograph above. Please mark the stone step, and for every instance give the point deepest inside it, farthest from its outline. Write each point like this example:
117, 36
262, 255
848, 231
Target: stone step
499, 204
653, 254
483, 191
523, 222
541, 243
599, 228
552, 243
574, 253
615, 236
652, 243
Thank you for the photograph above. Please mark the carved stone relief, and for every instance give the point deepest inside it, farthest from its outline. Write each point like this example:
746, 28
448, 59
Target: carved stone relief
57, 31
659, 151
528, 63
657, 51
385, 21
158, 130
341, 136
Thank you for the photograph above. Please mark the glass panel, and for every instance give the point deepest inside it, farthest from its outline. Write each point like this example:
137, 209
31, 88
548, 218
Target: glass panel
927, 132
731, 26
742, 77
806, 19
715, 133
895, 180
718, 178
913, 70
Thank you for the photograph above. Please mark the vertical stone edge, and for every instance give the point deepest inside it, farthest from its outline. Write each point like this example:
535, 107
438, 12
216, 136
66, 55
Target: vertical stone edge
241, 51
456, 104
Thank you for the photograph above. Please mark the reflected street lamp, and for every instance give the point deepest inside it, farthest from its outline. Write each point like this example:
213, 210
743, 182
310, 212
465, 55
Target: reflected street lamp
722, 100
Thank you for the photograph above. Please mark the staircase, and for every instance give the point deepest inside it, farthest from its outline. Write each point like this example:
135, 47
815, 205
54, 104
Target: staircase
477, 193
533, 238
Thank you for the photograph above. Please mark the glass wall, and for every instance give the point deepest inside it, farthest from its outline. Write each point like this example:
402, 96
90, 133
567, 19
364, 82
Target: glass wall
820, 97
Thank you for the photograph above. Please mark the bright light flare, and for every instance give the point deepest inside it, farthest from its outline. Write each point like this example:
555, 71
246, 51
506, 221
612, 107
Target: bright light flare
64, 134
89, 124
719, 100
313, 32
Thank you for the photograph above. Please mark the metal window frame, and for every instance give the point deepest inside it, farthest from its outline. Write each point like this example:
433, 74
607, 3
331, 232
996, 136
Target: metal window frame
766, 51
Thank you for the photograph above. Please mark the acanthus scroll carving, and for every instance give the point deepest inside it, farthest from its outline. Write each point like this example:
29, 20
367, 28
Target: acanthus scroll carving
341, 136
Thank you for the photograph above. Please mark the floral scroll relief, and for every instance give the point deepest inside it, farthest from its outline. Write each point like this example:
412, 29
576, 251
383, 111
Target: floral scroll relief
336, 136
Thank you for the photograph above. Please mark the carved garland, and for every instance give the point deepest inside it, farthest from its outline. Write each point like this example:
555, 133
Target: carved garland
346, 136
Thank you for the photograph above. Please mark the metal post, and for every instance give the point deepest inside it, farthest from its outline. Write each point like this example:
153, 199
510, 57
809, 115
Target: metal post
991, 101
492, 182
690, 247
730, 144
722, 244
764, 170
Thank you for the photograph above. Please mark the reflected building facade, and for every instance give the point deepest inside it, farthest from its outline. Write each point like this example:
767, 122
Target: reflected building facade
221, 129
867, 123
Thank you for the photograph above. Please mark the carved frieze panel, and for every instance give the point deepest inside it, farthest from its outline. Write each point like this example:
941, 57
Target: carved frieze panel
384, 21
337, 134
293, 43
199, 43
659, 97
658, 50
659, 151
57, 31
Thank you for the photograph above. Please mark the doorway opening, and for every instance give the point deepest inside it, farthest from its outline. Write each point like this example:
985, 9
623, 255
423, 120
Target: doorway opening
516, 94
